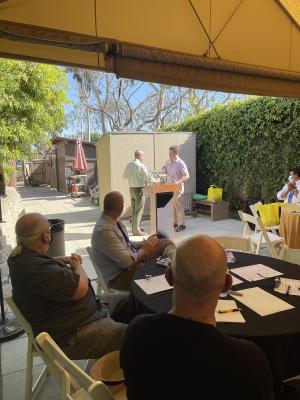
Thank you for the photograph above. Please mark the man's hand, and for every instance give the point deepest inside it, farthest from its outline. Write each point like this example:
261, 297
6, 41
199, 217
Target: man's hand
67, 259
75, 261
291, 186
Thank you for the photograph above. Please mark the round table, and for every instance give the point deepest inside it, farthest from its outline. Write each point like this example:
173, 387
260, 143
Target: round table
278, 335
290, 225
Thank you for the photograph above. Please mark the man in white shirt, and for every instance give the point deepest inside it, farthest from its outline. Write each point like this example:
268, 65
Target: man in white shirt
138, 176
290, 193
177, 172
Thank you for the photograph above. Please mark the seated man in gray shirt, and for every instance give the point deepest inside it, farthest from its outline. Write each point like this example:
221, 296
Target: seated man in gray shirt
55, 295
114, 253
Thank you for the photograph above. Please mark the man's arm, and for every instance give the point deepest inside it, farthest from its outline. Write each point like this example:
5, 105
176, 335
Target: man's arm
185, 174
83, 283
108, 243
146, 175
281, 195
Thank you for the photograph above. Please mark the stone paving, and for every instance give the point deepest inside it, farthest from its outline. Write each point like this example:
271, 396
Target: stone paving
79, 216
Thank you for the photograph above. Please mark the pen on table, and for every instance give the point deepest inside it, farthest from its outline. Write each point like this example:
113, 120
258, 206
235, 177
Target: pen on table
231, 310
261, 275
288, 290
235, 293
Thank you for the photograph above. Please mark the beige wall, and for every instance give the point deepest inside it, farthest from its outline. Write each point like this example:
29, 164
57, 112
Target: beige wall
114, 151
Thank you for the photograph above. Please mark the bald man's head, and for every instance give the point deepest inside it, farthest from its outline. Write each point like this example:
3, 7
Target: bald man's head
29, 229
113, 203
200, 266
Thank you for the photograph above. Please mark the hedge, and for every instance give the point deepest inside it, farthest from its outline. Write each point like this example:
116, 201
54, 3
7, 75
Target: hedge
246, 147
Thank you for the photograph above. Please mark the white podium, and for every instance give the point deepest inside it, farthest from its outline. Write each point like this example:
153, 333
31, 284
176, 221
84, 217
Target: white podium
161, 207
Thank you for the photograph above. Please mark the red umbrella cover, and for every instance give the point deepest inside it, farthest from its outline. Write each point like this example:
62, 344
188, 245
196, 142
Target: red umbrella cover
80, 161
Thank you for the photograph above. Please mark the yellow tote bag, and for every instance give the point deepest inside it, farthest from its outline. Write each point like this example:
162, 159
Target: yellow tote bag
269, 214
214, 193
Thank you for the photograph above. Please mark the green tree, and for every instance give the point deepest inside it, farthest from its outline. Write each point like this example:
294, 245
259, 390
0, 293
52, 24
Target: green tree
32, 99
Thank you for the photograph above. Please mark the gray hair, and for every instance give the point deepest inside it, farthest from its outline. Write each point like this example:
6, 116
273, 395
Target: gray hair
138, 153
29, 229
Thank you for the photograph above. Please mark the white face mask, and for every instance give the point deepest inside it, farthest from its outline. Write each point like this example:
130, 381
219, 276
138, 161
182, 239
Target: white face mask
290, 179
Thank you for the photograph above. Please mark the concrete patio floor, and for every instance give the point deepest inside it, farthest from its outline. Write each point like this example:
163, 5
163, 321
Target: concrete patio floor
79, 216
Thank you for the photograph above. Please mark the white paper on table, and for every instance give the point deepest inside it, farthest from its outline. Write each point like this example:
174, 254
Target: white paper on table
234, 316
294, 285
154, 284
255, 272
262, 302
235, 280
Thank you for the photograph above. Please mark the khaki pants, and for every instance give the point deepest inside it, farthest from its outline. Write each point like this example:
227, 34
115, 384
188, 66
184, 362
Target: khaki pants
103, 335
137, 204
179, 217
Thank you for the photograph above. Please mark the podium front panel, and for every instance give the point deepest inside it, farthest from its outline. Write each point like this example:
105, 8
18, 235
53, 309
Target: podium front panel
165, 214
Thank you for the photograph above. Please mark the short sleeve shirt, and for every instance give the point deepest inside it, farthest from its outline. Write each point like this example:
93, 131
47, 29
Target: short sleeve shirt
176, 170
43, 289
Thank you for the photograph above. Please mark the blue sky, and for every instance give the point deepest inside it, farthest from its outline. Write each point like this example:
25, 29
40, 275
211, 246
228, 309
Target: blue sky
71, 97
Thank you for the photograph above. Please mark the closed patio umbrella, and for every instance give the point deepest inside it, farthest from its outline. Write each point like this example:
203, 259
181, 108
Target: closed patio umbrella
80, 161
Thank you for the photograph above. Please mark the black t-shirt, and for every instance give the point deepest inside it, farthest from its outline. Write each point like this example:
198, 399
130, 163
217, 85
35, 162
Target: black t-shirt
167, 357
43, 288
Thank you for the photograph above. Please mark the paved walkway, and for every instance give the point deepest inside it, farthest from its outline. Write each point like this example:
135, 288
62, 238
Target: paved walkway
79, 216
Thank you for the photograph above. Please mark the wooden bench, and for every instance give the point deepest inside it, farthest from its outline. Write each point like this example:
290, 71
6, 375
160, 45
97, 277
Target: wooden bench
218, 210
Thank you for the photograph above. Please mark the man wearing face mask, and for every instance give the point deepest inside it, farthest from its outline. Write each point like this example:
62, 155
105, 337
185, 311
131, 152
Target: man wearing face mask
55, 295
290, 193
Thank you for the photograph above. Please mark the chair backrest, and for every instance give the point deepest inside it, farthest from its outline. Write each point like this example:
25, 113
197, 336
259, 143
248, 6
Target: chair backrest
291, 255
101, 279
23, 321
255, 207
234, 243
268, 213
247, 219
74, 382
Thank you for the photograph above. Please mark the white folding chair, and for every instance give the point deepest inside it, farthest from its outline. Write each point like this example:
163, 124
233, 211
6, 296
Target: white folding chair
74, 383
290, 255
101, 283
262, 238
234, 243
33, 350
255, 209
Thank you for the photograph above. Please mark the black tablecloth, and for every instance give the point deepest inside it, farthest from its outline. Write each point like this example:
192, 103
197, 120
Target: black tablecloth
278, 334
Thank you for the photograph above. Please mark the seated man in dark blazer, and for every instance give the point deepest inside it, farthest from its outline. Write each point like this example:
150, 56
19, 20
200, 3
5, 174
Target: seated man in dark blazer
181, 354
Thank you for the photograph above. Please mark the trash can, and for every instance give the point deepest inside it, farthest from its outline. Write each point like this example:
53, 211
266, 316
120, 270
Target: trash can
57, 246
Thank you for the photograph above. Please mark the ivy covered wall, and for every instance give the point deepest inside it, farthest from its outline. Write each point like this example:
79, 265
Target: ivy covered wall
246, 147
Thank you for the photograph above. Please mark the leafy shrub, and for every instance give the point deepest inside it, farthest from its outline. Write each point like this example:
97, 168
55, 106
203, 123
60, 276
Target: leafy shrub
246, 146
